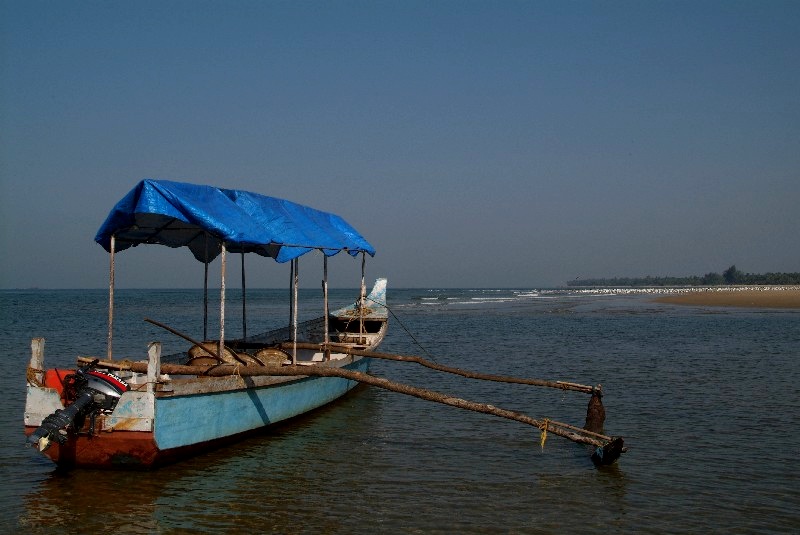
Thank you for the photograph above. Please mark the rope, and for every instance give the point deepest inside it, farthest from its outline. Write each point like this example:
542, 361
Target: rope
404, 328
31, 374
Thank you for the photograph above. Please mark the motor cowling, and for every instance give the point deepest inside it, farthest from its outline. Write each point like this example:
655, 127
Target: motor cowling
93, 391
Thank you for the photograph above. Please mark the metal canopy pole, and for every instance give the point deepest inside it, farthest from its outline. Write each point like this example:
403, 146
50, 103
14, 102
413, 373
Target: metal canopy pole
244, 302
295, 282
205, 294
222, 303
291, 291
362, 338
326, 339
109, 353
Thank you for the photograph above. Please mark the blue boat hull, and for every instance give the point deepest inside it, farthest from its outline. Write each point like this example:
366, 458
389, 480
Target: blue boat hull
230, 413
184, 425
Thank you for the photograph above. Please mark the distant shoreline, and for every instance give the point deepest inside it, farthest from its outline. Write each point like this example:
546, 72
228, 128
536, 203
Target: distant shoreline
749, 297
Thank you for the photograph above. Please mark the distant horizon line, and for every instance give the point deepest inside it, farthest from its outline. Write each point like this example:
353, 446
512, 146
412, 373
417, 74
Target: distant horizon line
428, 288
37, 288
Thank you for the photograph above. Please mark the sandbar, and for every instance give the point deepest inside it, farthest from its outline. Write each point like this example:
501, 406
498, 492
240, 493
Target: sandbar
768, 298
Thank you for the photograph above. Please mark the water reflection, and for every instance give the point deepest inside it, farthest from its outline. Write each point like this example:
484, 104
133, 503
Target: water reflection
92, 501
275, 475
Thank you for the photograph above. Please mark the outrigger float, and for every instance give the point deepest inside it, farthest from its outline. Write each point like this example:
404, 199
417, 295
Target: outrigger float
123, 413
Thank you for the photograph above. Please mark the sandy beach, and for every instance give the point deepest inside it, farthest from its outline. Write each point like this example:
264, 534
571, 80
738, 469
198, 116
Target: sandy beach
735, 297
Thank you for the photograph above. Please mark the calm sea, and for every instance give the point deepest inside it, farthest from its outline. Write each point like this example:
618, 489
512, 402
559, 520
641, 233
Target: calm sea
706, 398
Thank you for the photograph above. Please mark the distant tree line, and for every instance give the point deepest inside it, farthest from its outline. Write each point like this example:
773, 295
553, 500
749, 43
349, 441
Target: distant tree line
729, 276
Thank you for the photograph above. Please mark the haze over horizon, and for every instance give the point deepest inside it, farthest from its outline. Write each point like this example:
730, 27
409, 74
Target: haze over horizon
474, 144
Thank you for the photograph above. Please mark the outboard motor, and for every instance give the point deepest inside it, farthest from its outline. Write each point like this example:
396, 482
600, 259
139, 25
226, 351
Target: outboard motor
93, 391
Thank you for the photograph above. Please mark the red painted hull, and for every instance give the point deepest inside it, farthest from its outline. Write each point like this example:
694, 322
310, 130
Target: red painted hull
134, 450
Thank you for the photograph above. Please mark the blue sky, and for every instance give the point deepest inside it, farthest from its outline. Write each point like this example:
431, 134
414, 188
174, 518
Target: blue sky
475, 144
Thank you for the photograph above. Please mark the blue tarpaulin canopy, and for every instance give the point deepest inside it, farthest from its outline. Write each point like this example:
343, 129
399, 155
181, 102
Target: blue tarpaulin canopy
202, 217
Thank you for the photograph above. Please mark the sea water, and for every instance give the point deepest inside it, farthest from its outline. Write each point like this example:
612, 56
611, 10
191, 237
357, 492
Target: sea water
706, 399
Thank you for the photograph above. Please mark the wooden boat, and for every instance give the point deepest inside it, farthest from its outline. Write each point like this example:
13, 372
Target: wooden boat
112, 414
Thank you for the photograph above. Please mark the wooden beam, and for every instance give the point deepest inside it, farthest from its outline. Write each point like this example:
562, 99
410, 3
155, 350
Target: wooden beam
557, 428
449, 369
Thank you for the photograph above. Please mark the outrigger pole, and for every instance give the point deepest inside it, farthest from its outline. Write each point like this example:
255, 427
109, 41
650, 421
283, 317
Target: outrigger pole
595, 412
607, 448
560, 385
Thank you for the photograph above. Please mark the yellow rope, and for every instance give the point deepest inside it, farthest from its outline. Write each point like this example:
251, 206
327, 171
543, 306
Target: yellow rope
544, 433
